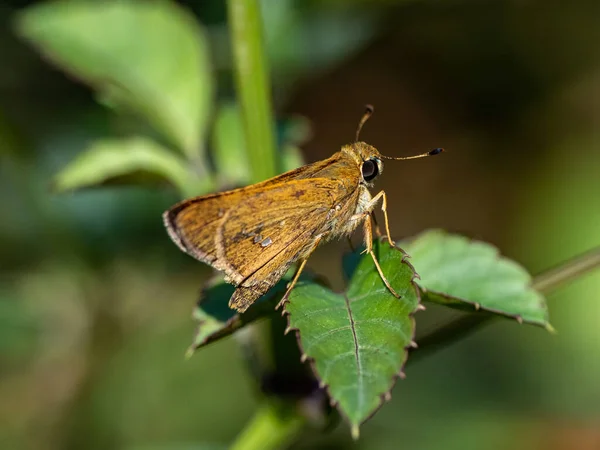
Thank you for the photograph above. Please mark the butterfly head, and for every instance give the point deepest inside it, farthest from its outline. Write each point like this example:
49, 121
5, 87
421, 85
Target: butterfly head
369, 158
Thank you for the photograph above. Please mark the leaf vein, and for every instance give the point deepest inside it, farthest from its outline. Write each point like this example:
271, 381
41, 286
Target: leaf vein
316, 312
380, 351
324, 335
370, 293
356, 354
330, 362
395, 326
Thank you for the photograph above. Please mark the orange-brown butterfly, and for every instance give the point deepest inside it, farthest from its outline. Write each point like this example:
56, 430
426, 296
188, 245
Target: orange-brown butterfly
254, 234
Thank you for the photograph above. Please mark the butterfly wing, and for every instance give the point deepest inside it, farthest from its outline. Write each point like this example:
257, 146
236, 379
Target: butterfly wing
192, 223
254, 235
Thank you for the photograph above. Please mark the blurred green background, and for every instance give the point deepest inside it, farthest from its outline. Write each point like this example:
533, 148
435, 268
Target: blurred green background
95, 300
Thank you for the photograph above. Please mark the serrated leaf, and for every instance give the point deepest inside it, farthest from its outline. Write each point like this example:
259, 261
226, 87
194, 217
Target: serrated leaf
147, 57
472, 275
357, 340
110, 159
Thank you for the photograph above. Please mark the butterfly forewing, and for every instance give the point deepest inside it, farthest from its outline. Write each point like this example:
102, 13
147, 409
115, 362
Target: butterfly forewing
266, 276
255, 234
263, 225
241, 231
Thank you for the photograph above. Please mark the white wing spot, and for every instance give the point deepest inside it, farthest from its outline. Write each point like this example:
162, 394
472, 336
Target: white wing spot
266, 242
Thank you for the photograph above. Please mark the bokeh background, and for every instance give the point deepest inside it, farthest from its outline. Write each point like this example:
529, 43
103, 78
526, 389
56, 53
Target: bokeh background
95, 300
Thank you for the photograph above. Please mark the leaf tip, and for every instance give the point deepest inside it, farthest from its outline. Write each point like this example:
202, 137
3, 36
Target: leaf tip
550, 329
355, 432
303, 357
413, 344
421, 307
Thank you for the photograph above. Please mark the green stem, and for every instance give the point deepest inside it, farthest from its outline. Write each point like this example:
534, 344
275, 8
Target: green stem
253, 86
568, 271
272, 427
544, 282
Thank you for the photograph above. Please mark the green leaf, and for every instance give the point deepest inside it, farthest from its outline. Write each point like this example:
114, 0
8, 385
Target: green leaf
471, 275
148, 57
295, 130
291, 157
216, 320
357, 341
229, 148
179, 446
107, 160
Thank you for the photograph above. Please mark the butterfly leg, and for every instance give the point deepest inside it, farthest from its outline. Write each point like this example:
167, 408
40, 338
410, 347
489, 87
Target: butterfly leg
369, 250
292, 283
370, 216
385, 218
369, 208
387, 224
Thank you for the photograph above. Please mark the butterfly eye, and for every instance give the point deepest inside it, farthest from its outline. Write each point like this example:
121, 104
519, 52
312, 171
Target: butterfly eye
369, 169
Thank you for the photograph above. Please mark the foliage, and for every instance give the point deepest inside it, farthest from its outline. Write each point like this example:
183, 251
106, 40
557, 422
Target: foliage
356, 341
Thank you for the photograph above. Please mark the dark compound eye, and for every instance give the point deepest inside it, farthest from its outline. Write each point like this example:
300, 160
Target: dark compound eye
369, 169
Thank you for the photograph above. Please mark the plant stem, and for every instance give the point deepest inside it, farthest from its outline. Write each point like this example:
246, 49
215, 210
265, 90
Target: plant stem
544, 282
272, 427
568, 271
253, 86
274, 424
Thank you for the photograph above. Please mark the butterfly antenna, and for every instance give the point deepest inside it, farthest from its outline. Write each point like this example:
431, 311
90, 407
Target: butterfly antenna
435, 151
368, 113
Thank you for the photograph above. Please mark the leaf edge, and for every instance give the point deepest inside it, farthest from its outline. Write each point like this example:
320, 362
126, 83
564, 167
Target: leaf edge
386, 396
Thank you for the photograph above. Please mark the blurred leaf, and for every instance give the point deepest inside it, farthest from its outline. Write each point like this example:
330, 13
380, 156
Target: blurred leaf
180, 446
357, 340
231, 160
467, 275
291, 157
18, 330
109, 159
216, 320
149, 57
296, 130
312, 38
292, 133
229, 149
